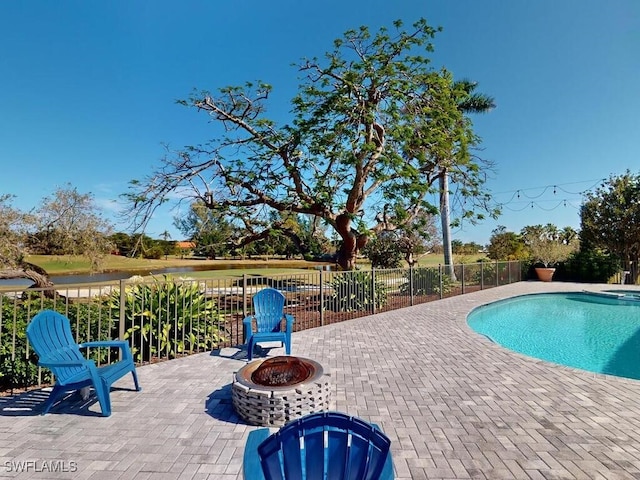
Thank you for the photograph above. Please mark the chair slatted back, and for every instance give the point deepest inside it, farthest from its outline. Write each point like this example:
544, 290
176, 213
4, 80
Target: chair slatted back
325, 446
50, 336
268, 306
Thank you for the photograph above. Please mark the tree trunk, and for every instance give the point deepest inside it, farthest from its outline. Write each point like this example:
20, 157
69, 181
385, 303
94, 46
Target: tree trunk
36, 274
352, 242
410, 259
446, 225
633, 268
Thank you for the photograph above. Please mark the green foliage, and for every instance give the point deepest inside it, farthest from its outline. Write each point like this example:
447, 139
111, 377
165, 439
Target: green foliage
168, 318
590, 266
355, 291
154, 253
610, 220
122, 242
470, 248
21, 370
505, 245
426, 281
209, 229
384, 251
484, 274
548, 245
371, 129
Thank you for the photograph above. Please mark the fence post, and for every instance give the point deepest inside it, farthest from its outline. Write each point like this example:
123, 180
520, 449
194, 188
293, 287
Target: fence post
462, 279
411, 286
244, 302
121, 314
481, 275
373, 289
321, 298
440, 278
497, 273
509, 272
245, 307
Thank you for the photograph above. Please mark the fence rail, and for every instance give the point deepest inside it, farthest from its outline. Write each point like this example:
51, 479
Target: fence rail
163, 317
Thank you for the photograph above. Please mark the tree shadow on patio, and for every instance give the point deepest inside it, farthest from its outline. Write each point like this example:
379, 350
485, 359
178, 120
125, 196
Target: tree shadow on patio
239, 352
32, 403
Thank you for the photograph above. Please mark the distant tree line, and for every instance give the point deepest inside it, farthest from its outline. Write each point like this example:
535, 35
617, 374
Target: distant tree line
215, 235
69, 223
607, 243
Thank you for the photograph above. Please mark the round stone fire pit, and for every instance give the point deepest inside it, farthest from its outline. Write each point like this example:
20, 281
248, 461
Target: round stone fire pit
274, 391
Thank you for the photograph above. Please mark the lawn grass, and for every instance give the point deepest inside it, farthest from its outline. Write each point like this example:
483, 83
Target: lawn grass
69, 265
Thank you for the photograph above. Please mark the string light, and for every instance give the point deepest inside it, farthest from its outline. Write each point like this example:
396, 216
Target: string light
534, 200
539, 204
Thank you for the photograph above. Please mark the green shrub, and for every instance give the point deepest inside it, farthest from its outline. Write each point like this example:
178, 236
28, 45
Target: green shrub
589, 266
384, 252
20, 370
154, 253
426, 281
354, 291
484, 274
165, 318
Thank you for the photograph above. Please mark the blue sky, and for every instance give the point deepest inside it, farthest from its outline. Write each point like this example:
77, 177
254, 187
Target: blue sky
88, 89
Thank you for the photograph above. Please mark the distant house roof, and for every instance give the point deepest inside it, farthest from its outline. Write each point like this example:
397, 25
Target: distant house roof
186, 245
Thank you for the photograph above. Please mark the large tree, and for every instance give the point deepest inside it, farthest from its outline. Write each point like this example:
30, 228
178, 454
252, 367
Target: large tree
210, 231
610, 220
505, 245
361, 151
66, 223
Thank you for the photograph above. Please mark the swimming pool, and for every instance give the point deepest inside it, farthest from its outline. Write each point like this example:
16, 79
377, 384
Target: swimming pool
597, 332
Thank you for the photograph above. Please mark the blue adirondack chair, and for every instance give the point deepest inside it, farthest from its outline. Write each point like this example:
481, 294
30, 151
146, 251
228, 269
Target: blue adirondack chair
49, 334
319, 446
268, 306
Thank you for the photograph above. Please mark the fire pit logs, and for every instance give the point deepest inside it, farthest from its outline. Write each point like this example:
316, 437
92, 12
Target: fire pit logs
274, 391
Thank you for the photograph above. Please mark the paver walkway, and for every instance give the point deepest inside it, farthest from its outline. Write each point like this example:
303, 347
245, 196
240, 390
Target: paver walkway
455, 406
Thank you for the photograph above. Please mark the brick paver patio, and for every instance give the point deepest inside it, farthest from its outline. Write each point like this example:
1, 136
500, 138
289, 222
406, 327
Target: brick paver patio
455, 406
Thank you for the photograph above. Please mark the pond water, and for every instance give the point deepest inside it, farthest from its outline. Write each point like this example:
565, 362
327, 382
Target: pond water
111, 276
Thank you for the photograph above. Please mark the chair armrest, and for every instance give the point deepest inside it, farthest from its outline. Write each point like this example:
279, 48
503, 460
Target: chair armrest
251, 460
123, 345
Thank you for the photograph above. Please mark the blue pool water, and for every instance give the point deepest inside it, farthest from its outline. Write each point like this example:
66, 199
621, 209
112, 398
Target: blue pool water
594, 332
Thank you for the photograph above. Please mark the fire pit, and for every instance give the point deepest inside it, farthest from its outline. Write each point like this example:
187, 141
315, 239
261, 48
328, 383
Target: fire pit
274, 391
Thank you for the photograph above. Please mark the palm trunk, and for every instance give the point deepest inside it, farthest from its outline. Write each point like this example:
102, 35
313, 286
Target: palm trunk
446, 225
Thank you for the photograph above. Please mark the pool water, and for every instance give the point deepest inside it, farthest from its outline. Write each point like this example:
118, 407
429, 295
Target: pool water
594, 332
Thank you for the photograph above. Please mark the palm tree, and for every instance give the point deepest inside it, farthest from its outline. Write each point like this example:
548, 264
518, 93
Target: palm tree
469, 102
166, 236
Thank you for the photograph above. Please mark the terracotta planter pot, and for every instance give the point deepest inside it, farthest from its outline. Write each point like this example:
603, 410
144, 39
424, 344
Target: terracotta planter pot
545, 274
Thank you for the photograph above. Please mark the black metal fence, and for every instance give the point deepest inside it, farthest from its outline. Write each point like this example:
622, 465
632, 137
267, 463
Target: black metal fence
164, 318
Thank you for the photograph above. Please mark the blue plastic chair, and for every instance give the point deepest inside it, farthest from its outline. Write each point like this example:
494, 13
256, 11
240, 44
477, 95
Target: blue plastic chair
268, 306
49, 334
319, 446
